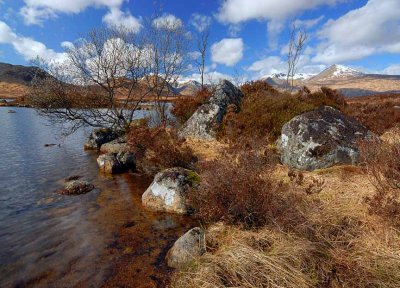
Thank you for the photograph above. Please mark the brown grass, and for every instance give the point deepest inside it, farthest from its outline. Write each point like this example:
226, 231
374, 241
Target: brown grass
264, 110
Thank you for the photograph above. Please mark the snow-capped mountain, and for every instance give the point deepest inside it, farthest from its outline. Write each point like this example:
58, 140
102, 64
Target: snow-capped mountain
283, 76
189, 87
336, 72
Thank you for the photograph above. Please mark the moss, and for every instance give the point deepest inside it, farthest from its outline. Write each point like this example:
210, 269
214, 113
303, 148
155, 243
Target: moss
193, 178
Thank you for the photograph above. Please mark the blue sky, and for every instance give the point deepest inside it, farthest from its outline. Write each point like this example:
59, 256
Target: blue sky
247, 37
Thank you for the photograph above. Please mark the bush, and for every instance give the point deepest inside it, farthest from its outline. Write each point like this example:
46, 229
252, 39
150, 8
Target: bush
383, 166
239, 188
184, 107
159, 148
264, 110
377, 113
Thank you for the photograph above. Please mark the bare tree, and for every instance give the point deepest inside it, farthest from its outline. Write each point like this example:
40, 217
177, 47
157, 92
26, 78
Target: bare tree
298, 38
107, 75
202, 48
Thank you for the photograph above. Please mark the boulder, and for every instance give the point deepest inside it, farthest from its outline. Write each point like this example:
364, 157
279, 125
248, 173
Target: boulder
203, 123
115, 146
320, 139
76, 187
116, 162
187, 248
99, 137
168, 192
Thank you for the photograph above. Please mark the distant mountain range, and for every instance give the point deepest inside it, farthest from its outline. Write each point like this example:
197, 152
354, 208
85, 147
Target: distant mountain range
349, 81
15, 79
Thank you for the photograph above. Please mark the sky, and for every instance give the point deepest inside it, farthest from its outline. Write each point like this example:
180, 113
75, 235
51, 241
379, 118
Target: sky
248, 38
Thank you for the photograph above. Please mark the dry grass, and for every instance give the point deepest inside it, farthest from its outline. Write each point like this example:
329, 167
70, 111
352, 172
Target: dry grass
12, 90
339, 245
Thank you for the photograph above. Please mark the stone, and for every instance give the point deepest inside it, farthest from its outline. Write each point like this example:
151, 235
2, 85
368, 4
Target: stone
99, 137
204, 122
76, 187
116, 162
187, 248
169, 191
115, 146
320, 139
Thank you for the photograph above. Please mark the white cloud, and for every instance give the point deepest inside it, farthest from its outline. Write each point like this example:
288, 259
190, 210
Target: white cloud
27, 47
392, 69
167, 21
200, 22
309, 23
228, 51
37, 11
115, 18
236, 11
373, 28
211, 77
275, 64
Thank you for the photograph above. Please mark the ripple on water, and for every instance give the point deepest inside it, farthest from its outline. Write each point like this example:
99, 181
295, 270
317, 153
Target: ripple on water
49, 240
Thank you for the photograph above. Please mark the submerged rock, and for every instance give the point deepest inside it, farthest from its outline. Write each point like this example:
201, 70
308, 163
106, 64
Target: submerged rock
169, 189
320, 139
116, 162
187, 248
99, 137
76, 187
204, 122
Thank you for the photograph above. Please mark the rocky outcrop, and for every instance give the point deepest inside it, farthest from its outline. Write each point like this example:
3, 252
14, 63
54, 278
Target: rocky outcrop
76, 187
116, 162
320, 139
187, 248
203, 123
99, 137
115, 146
168, 192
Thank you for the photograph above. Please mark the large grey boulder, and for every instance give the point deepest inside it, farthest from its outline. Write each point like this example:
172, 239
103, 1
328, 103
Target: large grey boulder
203, 123
187, 248
320, 139
169, 191
115, 146
116, 162
99, 137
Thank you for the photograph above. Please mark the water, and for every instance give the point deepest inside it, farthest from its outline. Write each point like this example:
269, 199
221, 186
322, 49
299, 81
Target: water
103, 238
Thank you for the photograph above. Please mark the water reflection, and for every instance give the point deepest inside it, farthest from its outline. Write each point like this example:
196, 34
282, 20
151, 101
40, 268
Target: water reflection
102, 238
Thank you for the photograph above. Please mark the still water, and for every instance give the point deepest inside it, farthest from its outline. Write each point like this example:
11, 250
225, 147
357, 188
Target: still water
104, 238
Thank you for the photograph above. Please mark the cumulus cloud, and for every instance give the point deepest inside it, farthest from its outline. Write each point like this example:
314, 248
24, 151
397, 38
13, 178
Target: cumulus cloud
200, 22
275, 64
236, 11
116, 18
309, 23
27, 47
228, 51
392, 70
37, 11
371, 29
167, 21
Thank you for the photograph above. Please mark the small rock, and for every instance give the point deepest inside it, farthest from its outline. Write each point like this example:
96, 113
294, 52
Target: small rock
76, 187
115, 146
99, 137
116, 162
187, 248
168, 192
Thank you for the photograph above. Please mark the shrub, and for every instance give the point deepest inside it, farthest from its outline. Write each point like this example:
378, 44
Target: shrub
184, 107
383, 166
239, 188
264, 110
158, 148
378, 112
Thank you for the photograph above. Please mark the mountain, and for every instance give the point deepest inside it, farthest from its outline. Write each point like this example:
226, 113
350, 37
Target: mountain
283, 76
188, 88
17, 74
336, 72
